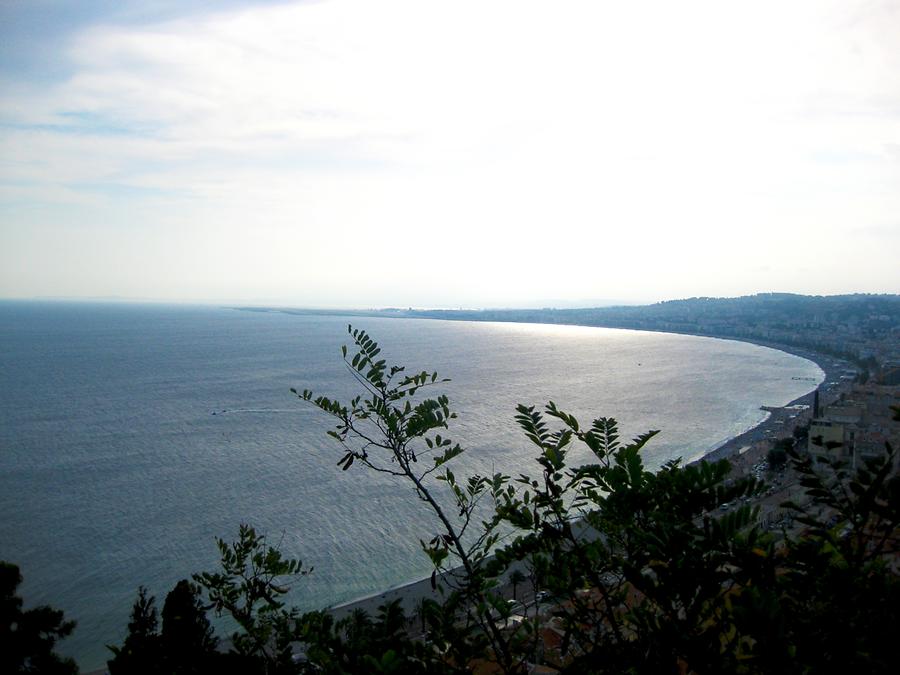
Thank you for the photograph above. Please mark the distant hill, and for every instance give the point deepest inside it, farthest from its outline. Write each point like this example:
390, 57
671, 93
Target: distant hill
784, 310
861, 327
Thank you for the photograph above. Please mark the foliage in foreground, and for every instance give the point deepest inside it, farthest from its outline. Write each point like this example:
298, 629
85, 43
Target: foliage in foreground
28, 637
648, 573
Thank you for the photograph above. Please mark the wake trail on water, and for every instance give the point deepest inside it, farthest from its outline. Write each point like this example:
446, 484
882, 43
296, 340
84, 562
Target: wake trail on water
255, 411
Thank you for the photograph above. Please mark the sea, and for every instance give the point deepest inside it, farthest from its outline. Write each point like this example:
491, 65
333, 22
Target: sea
133, 435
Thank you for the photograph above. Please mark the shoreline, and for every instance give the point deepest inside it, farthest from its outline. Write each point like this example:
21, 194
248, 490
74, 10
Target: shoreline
411, 593
779, 417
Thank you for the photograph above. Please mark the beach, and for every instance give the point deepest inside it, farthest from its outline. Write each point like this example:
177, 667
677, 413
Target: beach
747, 447
743, 451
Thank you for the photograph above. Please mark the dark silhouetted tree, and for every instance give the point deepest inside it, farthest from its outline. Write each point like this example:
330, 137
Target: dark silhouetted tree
27, 637
187, 639
141, 652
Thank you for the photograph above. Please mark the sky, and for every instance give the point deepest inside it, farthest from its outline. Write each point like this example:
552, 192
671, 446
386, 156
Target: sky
350, 153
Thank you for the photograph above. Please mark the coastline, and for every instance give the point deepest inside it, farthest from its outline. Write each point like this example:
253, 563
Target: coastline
778, 423
779, 418
412, 593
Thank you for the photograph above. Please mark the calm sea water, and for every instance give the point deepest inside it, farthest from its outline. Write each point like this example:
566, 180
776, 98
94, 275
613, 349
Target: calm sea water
132, 435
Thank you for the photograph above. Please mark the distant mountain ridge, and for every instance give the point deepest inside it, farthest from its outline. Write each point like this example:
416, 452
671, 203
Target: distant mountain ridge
773, 309
786, 309
861, 327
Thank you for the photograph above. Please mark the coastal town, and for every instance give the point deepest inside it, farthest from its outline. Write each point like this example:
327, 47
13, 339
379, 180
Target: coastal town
847, 418
843, 420
854, 339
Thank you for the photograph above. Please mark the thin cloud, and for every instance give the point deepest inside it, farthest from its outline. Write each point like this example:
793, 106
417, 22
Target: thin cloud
688, 137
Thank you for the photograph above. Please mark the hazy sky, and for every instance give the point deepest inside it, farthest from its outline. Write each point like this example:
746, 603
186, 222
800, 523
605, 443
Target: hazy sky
374, 153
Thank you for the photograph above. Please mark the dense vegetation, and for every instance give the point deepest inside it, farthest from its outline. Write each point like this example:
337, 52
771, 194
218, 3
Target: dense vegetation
637, 571
28, 637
